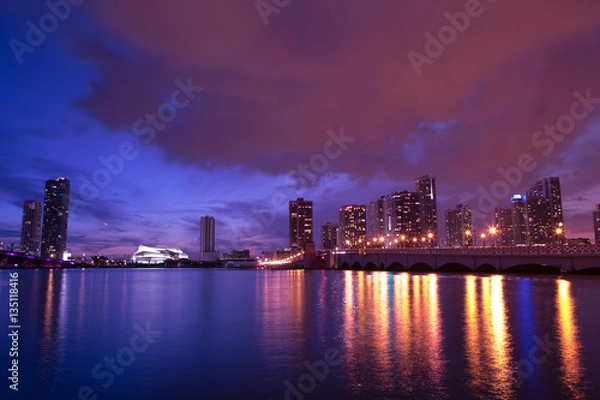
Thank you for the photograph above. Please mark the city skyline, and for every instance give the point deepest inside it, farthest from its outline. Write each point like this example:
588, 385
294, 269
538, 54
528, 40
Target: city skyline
516, 225
154, 132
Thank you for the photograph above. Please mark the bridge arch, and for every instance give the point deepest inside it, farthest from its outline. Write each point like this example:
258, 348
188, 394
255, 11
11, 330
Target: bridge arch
486, 269
345, 265
396, 266
589, 271
421, 267
356, 265
370, 266
454, 267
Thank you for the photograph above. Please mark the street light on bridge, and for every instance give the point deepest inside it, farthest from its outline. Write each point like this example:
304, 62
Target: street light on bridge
468, 235
483, 239
559, 232
493, 232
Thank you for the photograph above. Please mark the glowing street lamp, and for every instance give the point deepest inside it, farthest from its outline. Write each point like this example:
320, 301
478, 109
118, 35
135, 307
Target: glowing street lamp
483, 239
468, 234
493, 231
430, 236
403, 238
559, 232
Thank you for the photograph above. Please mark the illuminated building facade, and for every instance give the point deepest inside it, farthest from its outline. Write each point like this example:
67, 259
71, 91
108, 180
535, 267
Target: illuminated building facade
426, 188
402, 215
56, 217
459, 227
518, 209
504, 227
300, 222
352, 221
31, 230
544, 211
329, 236
375, 219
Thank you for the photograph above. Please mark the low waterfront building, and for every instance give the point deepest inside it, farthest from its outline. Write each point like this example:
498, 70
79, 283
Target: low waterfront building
157, 255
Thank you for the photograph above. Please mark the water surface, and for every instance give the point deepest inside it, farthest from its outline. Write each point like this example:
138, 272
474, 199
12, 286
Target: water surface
231, 334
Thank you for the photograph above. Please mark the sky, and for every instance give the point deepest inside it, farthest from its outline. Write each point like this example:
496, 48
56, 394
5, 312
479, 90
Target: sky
161, 112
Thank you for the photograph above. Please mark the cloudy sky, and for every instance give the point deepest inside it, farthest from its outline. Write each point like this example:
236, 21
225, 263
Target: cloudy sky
160, 112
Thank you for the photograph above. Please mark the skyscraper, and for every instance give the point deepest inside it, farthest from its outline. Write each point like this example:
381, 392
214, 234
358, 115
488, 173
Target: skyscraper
56, 217
31, 231
519, 220
375, 219
544, 211
207, 239
301, 222
353, 226
596, 215
503, 222
426, 188
459, 227
329, 236
402, 215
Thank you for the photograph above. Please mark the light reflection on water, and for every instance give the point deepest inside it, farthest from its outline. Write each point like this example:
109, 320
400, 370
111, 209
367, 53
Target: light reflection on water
569, 346
231, 334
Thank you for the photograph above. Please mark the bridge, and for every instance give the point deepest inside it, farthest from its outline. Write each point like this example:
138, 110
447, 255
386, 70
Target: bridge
542, 259
18, 260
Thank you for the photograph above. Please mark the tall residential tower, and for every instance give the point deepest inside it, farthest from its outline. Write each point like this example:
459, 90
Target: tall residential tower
426, 188
352, 226
375, 219
544, 211
402, 216
301, 222
329, 236
207, 239
56, 217
459, 227
31, 231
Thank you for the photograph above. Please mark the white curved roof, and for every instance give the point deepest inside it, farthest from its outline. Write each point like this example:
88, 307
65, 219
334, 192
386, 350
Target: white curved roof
155, 255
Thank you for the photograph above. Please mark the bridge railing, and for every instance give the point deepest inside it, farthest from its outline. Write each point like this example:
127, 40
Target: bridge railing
548, 250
